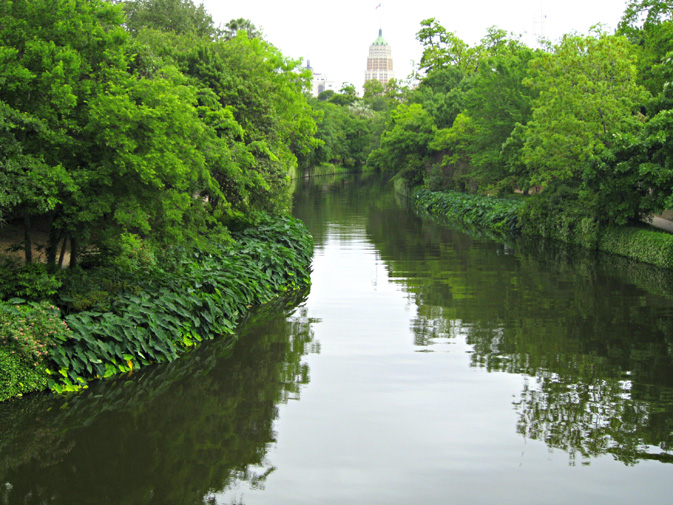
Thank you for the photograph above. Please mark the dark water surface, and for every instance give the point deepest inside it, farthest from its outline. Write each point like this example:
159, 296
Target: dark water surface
425, 366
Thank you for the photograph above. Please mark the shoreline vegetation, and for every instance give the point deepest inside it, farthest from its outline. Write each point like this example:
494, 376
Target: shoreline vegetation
144, 189
511, 218
159, 138
138, 317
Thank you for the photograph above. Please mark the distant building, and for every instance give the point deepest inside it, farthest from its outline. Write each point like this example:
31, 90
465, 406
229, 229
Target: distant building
379, 61
320, 82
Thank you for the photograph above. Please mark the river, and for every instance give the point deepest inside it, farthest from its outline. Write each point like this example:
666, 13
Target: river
425, 365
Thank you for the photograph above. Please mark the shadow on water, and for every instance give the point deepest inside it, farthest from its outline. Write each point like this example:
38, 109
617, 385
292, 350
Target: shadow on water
591, 334
172, 433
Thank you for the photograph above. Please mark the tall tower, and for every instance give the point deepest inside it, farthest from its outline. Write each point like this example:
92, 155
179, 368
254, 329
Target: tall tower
379, 61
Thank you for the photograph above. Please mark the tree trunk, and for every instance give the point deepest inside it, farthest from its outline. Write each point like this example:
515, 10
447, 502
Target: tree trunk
73, 251
52, 246
27, 239
62, 255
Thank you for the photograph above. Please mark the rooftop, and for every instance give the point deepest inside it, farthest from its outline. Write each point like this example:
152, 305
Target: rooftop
379, 41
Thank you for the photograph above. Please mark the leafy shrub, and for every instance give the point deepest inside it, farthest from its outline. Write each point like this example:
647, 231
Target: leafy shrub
134, 253
32, 281
28, 333
496, 214
18, 375
195, 295
559, 214
32, 328
639, 243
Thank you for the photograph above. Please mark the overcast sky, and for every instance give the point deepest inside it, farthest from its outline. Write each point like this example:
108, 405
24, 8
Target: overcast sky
335, 36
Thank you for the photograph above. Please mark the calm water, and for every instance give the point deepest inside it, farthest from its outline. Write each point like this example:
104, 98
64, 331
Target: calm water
424, 366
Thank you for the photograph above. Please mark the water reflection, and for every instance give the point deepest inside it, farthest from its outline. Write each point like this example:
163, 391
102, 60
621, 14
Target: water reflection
172, 434
593, 334
597, 347
450, 367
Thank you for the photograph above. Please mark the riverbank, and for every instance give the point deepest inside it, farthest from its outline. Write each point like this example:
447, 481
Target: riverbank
644, 243
322, 169
153, 316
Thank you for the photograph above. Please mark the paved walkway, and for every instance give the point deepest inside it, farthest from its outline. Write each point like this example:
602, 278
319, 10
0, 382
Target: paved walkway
662, 223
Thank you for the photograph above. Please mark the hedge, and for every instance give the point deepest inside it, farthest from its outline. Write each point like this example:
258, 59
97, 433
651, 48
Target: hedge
507, 217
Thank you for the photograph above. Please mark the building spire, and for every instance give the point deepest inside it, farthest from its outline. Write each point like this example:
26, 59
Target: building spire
380, 61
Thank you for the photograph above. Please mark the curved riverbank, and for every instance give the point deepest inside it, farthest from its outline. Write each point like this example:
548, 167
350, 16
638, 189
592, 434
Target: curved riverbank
193, 296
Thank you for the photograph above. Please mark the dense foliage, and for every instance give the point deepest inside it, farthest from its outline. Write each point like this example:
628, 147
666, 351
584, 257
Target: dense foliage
585, 122
350, 127
193, 296
121, 320
28, 332
117, 125
150, 150
508, 218
498, 215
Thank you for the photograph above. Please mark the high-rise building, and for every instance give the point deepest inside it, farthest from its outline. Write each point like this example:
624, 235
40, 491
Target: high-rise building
379, 61
320, 82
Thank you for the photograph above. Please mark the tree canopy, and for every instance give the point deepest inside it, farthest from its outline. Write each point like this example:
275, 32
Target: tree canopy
586, 120
142, 119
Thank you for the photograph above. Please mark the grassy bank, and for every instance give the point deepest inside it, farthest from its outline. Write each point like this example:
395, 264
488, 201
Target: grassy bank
113, 321
511, 217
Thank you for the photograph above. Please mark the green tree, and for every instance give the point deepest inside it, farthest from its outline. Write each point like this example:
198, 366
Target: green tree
263, 91
588, 94
495, 101
326, 95
405, 145
633, 179
234, 26
164, 136
442, 48
179, 16
56, 57
374, 95
150, 154
441, 93
347, 95
373, 88
643, 13
648, 24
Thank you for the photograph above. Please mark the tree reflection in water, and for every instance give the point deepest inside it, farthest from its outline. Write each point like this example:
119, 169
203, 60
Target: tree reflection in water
173, 433
592, 335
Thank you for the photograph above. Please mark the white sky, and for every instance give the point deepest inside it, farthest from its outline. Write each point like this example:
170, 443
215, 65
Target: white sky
335, 36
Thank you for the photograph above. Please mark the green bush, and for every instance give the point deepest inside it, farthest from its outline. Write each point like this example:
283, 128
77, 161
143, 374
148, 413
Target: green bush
558, 214
639, 243
195, 295
495, 214
17, 373
32, 281
28, 333
33, 328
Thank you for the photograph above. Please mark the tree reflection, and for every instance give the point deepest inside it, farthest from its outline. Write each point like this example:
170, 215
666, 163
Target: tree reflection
594, 335
592, 418
174, 433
